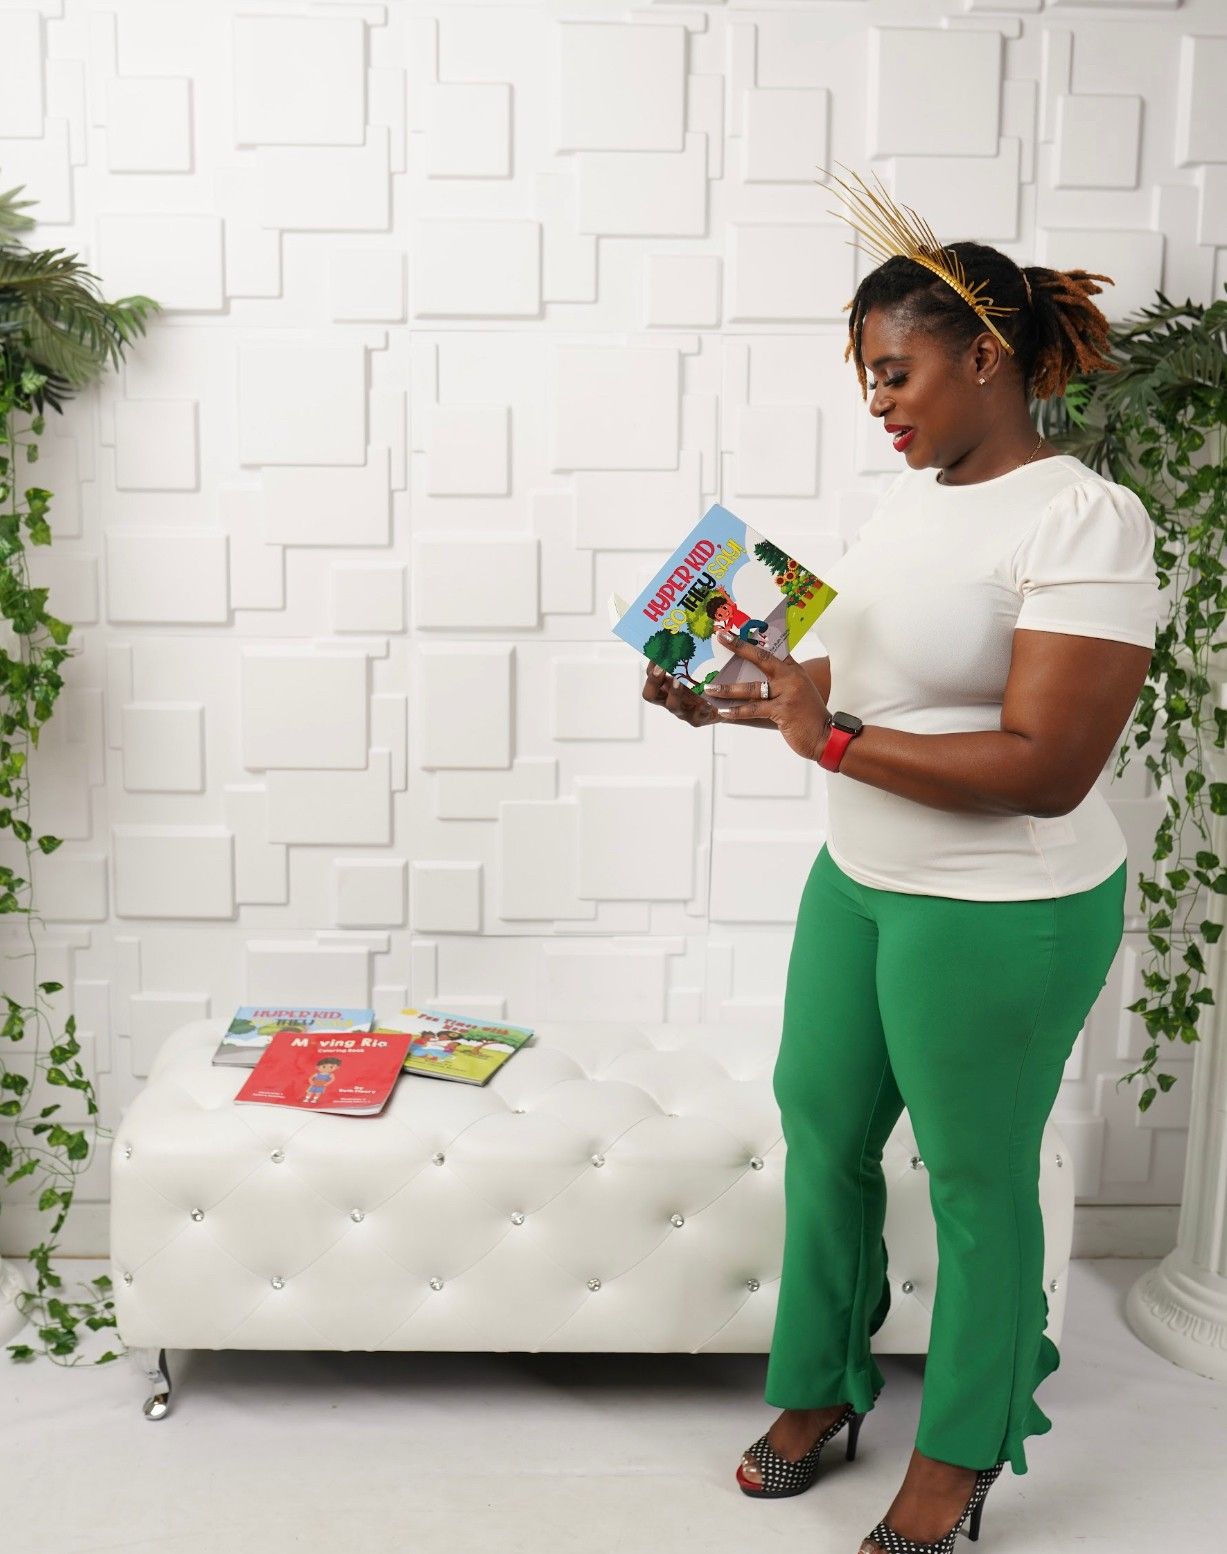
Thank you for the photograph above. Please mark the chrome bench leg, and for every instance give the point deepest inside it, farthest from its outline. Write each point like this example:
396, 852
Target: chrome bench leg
152, 1365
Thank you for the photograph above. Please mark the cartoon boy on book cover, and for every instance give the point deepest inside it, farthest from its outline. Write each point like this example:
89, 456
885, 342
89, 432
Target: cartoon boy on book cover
729, 616
325, 1073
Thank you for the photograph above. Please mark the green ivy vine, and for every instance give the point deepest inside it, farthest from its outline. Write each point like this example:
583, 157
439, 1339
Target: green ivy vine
1156, 425
56, 334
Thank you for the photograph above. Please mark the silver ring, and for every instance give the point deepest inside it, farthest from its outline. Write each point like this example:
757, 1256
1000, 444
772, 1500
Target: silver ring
764, 690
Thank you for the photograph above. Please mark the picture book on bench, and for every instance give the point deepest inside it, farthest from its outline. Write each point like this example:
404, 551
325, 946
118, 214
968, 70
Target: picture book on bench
348, 1072
330, 1060
254, 1025
724, 575
448, 1046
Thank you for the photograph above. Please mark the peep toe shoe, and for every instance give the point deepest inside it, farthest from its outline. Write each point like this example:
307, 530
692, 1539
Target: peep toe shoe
894, 1542
781, 1477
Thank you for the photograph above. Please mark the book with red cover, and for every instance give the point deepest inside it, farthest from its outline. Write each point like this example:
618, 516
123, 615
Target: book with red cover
350, 1073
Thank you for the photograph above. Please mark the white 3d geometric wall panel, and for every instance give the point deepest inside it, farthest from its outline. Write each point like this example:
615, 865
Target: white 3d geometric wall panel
469, 311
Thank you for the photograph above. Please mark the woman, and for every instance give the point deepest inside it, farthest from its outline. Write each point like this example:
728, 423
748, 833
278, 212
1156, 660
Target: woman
993, 627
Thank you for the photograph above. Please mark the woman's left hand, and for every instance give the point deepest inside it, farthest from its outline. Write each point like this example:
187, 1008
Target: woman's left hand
793, 703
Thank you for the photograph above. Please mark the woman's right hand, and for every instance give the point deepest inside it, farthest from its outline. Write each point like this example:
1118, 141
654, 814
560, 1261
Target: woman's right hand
690, 706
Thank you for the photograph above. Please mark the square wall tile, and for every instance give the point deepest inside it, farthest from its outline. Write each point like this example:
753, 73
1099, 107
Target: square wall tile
469, 268
445, 897
163, 747
798, 272
367, 286
468, 130
777, 451
682, 291
70, 888
173, 871
785, 134
597, 698
368, 599
166, 576
934, 91
473, 678
622, 86
302, 402
304, 709
630, 194
155, 445
1099, 141
637, 838
1201, 104
350, 808
148, 125
615, 407
299, 80
469, 450
175, 259
501, 582
370, 892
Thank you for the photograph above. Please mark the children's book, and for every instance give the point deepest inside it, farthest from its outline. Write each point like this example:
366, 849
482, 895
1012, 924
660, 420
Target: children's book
349, 1073
254, 1024
449, 1046
724, 575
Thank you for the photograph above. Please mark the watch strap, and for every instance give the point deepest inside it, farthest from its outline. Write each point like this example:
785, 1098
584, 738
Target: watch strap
838, 741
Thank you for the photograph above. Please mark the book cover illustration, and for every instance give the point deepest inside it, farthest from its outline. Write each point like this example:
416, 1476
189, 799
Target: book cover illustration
348, 1073
254, 1024
449, 1046
724, 575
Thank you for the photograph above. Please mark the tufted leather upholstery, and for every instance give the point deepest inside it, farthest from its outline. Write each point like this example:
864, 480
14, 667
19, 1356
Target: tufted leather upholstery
615, 1187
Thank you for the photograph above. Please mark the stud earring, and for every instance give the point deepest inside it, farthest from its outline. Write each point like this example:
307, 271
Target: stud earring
981, 382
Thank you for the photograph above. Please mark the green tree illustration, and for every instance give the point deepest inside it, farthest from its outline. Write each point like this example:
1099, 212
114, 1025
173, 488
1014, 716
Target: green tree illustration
673, 650
771, 556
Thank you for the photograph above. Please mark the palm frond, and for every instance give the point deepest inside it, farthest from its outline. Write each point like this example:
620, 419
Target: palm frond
1171, 359
54, 318
11, 220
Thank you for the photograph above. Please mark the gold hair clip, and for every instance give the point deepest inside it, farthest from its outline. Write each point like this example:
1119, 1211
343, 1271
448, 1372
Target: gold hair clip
892, 230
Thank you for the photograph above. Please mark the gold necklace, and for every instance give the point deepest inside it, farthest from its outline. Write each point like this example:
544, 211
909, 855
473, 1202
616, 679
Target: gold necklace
1039, 444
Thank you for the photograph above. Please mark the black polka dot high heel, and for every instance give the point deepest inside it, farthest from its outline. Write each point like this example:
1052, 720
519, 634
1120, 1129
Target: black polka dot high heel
782, 1478
892, 1542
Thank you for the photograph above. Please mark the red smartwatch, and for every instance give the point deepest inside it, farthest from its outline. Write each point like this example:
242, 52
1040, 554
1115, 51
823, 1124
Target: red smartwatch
844, 729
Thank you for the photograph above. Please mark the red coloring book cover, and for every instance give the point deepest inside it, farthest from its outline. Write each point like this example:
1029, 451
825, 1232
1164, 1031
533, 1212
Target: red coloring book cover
348, 1072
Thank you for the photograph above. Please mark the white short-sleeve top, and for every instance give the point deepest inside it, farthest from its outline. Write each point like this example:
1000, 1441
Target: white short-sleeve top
920, 635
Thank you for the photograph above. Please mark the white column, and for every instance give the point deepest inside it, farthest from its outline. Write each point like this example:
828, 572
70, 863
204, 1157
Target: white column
1179, 1308
11, 1320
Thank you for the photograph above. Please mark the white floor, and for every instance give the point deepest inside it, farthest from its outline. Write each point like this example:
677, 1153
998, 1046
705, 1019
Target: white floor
455, 1454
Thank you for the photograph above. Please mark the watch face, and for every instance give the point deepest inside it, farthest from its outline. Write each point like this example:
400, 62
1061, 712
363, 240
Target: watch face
846, 721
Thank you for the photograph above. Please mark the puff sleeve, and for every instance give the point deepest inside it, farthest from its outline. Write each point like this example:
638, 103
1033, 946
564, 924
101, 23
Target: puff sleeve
1086, 567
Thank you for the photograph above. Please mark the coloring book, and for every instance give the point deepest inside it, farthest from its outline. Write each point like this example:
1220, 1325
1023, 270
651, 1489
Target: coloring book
347, 1072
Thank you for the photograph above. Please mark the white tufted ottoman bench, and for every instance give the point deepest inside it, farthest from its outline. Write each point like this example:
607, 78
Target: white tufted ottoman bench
614, 1187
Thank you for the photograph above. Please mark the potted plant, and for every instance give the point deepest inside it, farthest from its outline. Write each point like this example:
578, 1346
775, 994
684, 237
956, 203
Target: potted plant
57, 334
1156, 425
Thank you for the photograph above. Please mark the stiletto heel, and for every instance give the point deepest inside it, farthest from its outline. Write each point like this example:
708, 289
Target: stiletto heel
782, 1478
894, 1542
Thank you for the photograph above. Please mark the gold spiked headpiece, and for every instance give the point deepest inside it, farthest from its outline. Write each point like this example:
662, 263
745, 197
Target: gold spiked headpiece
891, 230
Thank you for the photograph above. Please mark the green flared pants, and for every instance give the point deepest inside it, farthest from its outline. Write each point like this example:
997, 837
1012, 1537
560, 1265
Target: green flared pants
965, 1012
